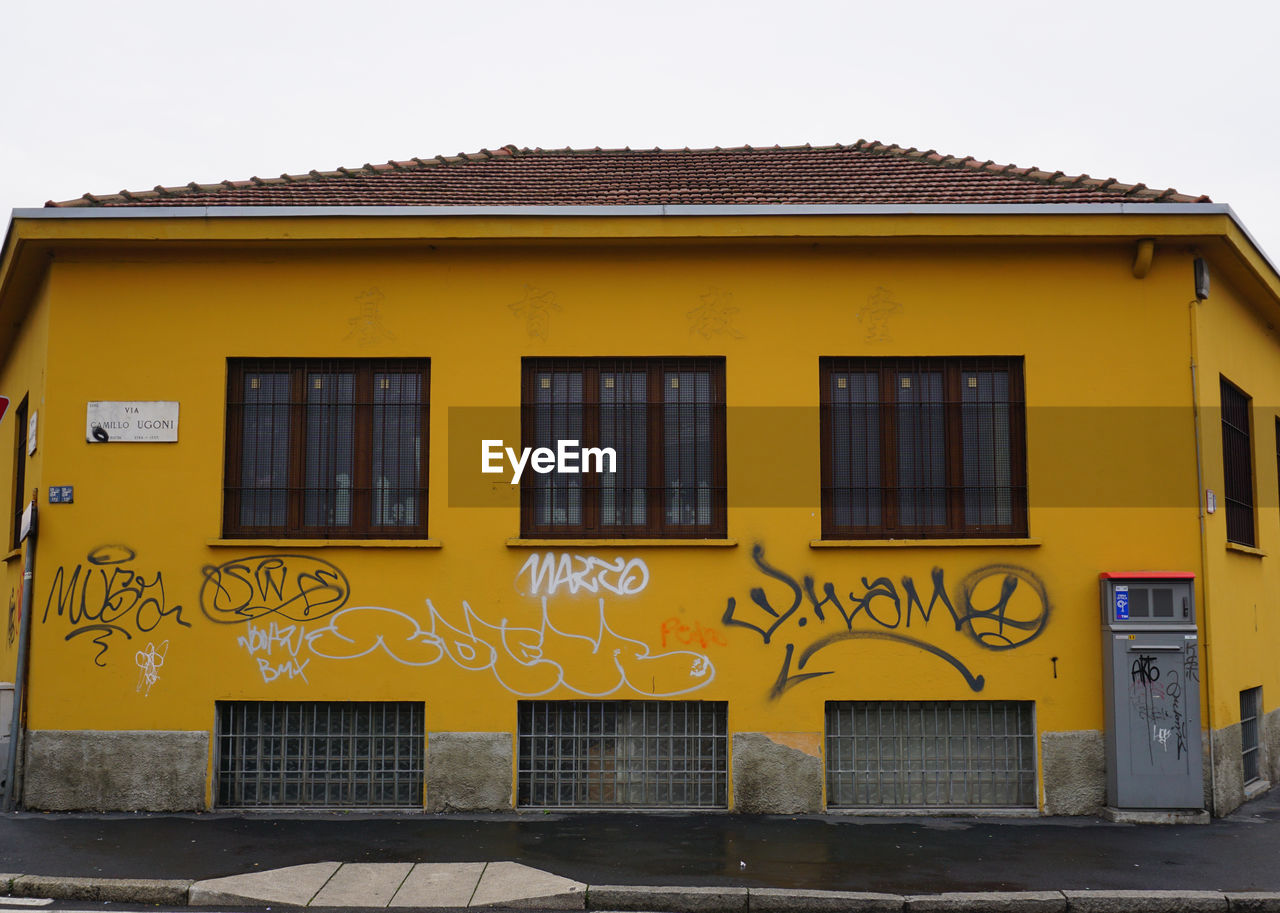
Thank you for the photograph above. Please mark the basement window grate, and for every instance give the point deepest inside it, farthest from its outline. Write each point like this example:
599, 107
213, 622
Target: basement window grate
931, 754
338, 754
632, 754
1250, 709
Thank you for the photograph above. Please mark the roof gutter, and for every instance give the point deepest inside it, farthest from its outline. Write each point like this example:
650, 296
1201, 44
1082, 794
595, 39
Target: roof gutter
747, 209
659, 210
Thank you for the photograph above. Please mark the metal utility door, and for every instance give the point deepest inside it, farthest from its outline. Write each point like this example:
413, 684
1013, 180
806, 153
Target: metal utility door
1153, 694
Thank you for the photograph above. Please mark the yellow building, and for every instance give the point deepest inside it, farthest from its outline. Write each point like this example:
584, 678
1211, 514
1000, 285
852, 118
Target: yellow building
849, 478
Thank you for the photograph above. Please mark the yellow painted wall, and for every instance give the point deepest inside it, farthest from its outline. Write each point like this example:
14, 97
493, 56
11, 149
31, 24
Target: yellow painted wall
22, 375
1238, 340
1105, 354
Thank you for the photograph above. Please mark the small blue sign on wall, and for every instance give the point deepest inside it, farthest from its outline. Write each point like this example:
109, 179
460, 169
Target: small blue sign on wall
61, 494
1122, 603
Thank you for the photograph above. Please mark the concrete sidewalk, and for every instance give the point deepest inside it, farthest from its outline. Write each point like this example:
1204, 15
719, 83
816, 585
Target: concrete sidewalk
395, 884
686, 862
509, 885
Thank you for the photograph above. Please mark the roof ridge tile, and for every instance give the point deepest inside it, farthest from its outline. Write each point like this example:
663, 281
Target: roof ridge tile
844, 173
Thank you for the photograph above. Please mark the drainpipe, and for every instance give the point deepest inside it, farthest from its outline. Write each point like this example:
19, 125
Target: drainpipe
16, 729
1204, 552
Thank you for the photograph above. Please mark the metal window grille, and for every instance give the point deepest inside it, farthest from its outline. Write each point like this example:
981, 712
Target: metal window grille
665, 420
320, 754
636, 754
327, 447
927, 754
1237, 465
923, 447
1250, 710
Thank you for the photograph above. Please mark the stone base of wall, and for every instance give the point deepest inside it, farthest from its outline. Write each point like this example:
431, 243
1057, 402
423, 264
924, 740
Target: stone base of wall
1228, 771
469, 771
1271, 746
104, 771
1075, 769
1074, 772
777, 773
1230, 791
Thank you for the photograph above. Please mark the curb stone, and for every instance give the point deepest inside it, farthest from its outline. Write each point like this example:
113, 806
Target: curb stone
675, 899
1146, 901
667, 899
988, 902
783, 900
120, 890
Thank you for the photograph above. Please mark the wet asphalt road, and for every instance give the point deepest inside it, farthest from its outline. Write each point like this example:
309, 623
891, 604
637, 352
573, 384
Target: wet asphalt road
829, 852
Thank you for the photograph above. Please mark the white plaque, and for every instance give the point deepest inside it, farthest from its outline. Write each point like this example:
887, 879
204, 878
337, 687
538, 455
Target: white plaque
109, 423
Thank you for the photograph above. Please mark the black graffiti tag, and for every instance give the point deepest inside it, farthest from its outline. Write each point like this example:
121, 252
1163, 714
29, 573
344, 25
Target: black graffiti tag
104, 596
887, 610
1144, 670
299, 587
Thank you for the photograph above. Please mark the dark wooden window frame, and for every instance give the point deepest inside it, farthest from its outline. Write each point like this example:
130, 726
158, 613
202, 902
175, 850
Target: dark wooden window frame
955, 525
19, 470
361, 525
656, 525
1237, 465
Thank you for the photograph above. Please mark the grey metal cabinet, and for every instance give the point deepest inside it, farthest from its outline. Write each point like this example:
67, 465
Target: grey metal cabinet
1151, 676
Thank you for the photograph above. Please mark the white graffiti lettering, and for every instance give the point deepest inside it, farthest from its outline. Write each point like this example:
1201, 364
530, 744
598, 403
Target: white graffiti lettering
273, 641
149, 662
289, 669
526, 661
550, 572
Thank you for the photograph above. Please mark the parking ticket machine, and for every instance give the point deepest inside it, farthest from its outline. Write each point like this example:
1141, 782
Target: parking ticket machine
1151, 672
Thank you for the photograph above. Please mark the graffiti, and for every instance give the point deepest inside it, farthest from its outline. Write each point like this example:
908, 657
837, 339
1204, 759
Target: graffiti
366, 325
1191, 662
526, 661
297, 587
268, 646
881, 305
103, 597
1144, 697
536, 307
714, 315
1156, 698
149, 662
550, 572
15, 618
882, 610
1173, 690
677, 630
1144, 670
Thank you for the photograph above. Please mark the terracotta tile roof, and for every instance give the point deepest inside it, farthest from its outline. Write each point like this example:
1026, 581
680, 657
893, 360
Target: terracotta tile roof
863, 173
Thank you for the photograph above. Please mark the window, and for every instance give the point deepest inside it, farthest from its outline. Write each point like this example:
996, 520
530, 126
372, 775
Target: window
930, 754
665, 420
335, 754
327, 448
19, 470
1237, 465
637, 754
1250, 710
923, 447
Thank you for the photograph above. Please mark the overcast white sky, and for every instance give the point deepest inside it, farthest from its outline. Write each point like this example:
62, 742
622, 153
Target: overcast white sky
104, 95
